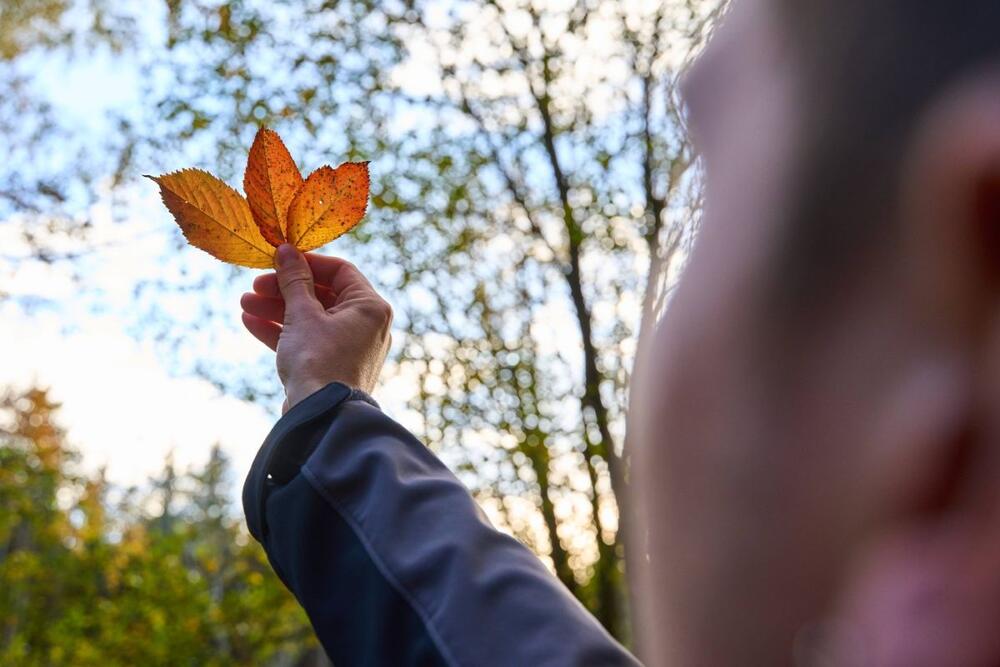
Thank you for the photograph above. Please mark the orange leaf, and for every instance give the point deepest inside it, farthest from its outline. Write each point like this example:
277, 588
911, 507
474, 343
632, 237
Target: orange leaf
329, 203
280, 207
214, 217
270, 181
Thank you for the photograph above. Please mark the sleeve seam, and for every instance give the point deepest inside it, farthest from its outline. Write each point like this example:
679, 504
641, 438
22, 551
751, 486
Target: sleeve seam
381, 566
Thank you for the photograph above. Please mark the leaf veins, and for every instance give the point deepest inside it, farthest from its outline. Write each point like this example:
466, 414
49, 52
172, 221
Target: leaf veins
214, 217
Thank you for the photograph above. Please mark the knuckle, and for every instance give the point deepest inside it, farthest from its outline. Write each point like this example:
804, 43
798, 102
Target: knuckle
295, 279
383, 310
378, 310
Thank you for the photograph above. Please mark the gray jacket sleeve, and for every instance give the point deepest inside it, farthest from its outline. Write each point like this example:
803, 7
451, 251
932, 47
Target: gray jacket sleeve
392, 559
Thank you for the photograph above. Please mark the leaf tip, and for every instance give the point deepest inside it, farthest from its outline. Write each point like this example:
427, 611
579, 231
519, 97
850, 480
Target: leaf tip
264, 131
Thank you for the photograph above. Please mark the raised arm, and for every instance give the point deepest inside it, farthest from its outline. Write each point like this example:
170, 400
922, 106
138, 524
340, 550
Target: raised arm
384, 548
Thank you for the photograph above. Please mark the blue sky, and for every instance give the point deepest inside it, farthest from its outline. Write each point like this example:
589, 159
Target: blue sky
78, 328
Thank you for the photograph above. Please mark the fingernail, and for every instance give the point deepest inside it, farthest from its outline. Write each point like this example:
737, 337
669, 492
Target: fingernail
285, 254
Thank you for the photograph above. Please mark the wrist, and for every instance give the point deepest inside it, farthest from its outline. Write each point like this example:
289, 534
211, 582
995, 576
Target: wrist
296, 392
301, 388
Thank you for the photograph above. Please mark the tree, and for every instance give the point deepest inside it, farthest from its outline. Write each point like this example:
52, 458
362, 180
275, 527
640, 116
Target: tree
88, 581
32, 528
533, 198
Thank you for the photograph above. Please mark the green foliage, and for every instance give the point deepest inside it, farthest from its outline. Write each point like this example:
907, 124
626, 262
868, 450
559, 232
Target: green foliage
87, 581
533, 197
33, 24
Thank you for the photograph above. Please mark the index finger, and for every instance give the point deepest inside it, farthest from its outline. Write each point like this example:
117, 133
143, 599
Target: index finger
267, 285
339, 275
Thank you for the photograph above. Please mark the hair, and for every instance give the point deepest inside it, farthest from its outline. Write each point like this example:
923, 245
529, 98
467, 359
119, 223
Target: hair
869, 70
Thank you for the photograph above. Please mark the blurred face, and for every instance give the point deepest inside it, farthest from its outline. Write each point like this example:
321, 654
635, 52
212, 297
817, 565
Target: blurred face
749, 441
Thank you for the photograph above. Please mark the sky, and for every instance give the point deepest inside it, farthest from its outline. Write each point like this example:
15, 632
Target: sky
124, 407
125, 404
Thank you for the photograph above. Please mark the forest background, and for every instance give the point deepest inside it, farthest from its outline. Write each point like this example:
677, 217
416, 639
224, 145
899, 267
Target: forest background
534, 197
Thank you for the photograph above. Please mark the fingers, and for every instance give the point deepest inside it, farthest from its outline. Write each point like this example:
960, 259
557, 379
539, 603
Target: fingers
329, 273
263, 330
266, 285
338, 274
333, 279
264, 307
295, 282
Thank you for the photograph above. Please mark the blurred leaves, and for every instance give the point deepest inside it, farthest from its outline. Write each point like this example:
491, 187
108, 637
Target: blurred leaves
93, 575
533, 196
33, 24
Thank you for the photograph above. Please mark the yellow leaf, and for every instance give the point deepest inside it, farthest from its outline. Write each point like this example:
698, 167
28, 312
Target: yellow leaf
270, 181
214, 217
329, 203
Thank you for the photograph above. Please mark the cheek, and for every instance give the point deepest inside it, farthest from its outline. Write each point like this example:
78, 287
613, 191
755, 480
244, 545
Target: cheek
692, 396
693, 458
705, 352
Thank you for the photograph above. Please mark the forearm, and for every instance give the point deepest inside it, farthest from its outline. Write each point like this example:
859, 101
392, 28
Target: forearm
392, 559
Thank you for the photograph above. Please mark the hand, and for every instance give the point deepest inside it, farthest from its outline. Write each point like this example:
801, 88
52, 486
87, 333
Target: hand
324, 320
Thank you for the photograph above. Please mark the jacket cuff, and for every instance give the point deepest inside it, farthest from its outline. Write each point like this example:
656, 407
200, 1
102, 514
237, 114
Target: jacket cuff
287, 447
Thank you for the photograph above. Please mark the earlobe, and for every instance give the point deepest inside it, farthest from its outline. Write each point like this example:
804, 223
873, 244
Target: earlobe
924, 588
926, 594
922, 437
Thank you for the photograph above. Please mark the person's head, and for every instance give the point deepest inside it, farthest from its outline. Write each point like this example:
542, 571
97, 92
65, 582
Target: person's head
816, 423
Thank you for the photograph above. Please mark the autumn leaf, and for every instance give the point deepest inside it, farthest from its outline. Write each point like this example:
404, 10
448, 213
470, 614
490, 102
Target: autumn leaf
330, 202
214, 217
271, 181
279, 207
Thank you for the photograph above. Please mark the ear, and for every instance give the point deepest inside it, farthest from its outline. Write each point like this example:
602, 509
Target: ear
926, 588
942, 422
950, 245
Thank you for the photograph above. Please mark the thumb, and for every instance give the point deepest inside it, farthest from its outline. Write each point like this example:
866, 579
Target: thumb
295, 280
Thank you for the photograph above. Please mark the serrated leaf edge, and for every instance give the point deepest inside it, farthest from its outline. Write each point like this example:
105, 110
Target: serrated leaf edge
320, 217
269, 251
